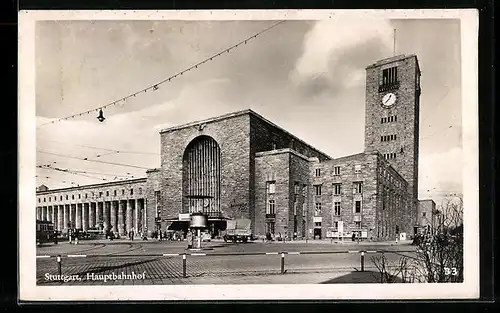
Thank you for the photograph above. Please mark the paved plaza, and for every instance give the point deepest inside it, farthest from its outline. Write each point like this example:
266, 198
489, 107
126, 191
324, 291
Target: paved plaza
151, 262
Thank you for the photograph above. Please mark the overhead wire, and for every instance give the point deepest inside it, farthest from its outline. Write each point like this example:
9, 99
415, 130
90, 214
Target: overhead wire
156, 85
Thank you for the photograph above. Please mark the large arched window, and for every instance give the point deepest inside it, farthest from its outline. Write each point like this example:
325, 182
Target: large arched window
201, 176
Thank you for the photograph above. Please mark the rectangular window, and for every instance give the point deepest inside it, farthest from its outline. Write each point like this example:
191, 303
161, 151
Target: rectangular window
336, 207
357, 224
317, 190
357, 208
140, 190
304, 190
357, 168
358, 187
423, 214
73, 197
79, 196
317, 224
114, 192
60, 198
131, 192
66, 197
271, 207
123, 192
86, 196
335, 224
395, 118
270, 227
297, 188
390, 76
107, 193
50, 199
336, 170
271, 187
318, 172
100, 194
317, 209
336, 189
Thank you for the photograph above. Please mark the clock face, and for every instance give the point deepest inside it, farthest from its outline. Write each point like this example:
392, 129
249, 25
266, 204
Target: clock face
206, 202
389, 99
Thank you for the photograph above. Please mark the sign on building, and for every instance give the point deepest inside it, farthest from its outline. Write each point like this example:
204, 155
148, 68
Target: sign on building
184, 217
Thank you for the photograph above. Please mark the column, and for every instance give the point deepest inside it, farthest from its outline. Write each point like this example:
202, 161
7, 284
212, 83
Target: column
65, 217
92, 215
110, 215
78, 221
60, 215
121, 222
129, 220
101, 217
85, 217
137, 226
72, 215
54, 216
38, 213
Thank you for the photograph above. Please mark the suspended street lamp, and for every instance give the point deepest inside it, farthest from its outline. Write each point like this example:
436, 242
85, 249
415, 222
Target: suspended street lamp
101, 117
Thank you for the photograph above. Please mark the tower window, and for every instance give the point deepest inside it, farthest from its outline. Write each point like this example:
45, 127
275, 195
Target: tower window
318, 172
357, 208
317, 189
336, 170
271, 207
358, 187
336, 206
389, 76
271, 187
336, 189
317, 211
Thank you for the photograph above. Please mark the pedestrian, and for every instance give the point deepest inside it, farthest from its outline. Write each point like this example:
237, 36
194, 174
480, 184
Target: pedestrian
189, 240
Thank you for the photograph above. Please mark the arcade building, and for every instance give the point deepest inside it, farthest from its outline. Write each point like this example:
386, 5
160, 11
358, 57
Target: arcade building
241, 165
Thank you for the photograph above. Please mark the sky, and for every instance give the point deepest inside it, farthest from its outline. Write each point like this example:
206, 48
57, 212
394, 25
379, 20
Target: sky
305, 76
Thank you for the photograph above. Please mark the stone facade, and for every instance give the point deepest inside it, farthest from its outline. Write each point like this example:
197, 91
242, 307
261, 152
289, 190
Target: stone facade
117, 205
394, 130
241, 165
428, 216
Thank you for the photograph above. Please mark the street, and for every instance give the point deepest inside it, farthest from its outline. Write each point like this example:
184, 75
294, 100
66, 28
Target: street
95, 262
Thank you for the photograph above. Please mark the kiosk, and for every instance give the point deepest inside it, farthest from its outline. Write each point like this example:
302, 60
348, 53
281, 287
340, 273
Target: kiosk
198, 222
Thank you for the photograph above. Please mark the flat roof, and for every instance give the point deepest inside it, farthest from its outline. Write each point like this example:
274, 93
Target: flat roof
236, 114
121, 182
392, 59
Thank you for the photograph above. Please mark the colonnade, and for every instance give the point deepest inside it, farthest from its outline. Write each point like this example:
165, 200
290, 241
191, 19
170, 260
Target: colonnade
120, 216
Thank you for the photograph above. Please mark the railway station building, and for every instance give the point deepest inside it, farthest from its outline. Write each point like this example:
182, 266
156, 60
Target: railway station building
241, 165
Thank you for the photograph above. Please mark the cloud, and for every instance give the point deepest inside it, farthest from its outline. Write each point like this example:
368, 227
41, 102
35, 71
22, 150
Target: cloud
336, 52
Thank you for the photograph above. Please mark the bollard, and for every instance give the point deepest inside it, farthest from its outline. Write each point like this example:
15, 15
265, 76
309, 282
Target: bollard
59, 270
184, 265
282, 263
362, 261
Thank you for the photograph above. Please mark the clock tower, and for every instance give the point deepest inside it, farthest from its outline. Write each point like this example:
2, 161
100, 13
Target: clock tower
392, 115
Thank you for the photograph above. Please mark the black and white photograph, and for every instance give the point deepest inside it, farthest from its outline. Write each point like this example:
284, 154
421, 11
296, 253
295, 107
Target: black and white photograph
226, 155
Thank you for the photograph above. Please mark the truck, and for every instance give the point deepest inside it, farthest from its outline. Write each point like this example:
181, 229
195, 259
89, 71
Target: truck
238, 230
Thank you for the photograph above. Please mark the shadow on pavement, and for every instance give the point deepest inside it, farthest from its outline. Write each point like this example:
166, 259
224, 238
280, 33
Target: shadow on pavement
357, 277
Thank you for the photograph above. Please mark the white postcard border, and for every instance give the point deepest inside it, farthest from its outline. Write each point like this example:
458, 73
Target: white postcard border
27, 164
